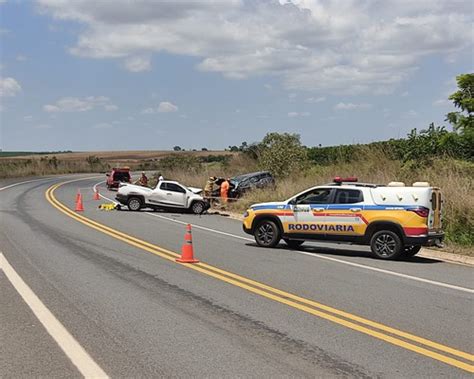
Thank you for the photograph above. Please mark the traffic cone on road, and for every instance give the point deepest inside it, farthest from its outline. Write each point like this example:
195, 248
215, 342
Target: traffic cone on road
96, 194
78, 194
79, 205
187, 252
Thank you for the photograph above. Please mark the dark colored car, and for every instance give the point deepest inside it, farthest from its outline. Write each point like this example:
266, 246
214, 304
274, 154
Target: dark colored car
246, 182
117, 176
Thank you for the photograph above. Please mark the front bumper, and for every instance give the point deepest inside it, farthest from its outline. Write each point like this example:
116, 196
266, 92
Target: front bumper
246, 230
122, 199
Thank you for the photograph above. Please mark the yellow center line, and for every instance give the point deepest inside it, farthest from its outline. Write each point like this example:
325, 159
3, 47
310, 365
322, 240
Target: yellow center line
305, 305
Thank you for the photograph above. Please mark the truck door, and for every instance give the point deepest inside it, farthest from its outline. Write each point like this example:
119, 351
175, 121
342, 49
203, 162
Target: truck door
309, 212
175, 195
169, 194
344, 216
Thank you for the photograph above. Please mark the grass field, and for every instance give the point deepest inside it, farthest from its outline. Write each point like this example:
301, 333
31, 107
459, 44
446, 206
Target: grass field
118, 156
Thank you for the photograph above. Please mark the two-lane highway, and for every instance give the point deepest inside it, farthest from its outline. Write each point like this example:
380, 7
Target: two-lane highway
110, 279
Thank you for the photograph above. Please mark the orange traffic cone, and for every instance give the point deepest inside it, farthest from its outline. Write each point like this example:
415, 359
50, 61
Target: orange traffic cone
78, 194
96, 194
79, 205
187, 253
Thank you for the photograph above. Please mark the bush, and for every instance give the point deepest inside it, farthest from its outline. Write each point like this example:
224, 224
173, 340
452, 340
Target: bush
282, 154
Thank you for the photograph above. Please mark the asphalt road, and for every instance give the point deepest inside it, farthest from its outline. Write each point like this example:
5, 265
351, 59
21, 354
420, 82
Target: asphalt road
244, 312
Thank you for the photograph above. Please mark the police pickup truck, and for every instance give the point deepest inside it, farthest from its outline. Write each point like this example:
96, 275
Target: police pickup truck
393, 219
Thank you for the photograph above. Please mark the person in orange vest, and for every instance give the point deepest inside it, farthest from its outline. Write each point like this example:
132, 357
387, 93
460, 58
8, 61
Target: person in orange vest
225, 185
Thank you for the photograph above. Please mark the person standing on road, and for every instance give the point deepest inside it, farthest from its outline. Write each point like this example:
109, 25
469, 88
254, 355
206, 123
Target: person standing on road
225, 185
160, 177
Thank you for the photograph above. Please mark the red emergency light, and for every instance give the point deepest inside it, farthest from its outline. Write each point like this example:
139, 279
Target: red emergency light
338, 179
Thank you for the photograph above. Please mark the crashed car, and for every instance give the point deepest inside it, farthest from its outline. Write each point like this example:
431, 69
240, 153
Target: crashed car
167, 195
246, 182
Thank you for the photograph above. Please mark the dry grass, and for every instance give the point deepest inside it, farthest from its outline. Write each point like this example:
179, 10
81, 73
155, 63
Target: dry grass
119, 156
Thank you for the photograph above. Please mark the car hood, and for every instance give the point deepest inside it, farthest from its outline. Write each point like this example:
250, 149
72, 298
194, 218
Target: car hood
195, 190
270, 205
129, 188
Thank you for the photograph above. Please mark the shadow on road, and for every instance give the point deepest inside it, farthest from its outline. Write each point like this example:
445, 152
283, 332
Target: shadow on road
345, 252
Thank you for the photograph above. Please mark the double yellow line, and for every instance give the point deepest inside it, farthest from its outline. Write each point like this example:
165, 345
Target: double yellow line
382, 332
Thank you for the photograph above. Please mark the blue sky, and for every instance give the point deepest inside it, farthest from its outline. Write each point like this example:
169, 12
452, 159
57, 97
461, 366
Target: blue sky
127, 75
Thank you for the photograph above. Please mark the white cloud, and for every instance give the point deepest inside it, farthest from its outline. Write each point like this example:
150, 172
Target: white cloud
28, 118
166, 107
75, 104
298, 114
21, 58
333, 46
351, 106
163, 107
138, 64
314, 100
9, 87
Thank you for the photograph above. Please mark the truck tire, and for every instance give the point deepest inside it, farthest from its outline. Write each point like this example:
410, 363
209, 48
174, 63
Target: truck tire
198, 207
411, 251
267, 234
386, 244
134, 203
293, 243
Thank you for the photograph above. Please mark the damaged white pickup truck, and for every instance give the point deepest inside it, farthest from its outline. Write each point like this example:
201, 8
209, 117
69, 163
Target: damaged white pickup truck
168, 195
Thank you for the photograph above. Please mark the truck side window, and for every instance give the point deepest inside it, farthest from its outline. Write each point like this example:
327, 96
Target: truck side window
348, 196
316, 196
175, 188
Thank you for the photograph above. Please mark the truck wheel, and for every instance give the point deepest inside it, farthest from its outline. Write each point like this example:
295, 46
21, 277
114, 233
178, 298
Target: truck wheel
386, 244
134, 204
411, 251
293, 243
198, 207
267, 234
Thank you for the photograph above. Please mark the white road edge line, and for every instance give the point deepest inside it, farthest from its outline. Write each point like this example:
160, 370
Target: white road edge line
73, 350
26, 181
316, 255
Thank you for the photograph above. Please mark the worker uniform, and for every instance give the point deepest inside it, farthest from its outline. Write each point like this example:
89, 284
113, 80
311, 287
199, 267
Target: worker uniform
225, 191
209, 188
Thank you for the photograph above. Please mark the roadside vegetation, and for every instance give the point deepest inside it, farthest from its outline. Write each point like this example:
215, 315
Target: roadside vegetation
444, 158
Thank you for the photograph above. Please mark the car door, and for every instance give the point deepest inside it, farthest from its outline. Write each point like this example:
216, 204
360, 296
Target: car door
309, 211
174, 195
344, 215
168, 194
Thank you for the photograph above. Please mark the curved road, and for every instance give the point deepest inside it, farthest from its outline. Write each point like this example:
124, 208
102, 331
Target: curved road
116, 302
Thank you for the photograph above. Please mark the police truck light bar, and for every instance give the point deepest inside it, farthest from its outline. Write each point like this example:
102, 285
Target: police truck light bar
339, 180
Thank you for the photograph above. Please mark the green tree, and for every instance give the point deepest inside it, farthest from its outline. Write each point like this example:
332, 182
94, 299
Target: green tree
282, 154
177, 148
463, 121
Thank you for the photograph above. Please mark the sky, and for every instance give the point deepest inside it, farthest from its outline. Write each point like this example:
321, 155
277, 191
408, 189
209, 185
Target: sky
89, 75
